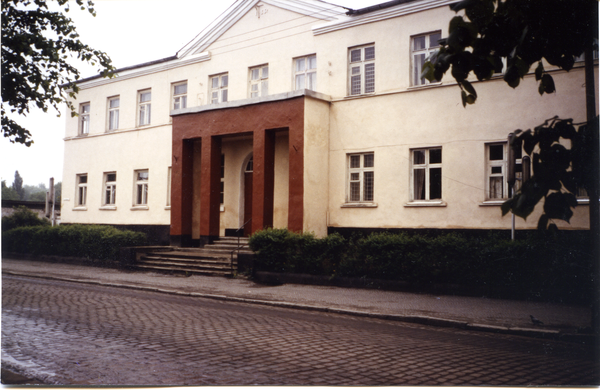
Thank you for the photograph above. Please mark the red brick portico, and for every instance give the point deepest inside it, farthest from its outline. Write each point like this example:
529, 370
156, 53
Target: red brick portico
208, 125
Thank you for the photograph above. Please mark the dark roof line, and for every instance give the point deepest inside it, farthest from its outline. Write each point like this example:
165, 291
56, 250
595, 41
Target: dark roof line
377, 7
150, 63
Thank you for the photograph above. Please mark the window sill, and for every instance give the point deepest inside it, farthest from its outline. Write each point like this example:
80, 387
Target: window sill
492, 203
426, 203
80, 208
140, 207
425, 86
583, 201
362, 95
110, 208
369, 205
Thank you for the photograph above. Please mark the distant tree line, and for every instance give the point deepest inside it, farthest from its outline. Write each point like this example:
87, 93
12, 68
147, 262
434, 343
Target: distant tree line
18, 191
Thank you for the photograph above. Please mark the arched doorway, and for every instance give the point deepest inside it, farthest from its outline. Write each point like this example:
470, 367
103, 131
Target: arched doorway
248, 169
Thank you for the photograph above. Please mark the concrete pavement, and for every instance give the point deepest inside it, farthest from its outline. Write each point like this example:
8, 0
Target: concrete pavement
474, 313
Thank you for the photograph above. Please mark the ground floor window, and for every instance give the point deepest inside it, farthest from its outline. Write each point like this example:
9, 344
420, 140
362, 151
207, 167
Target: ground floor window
361, 177
110, 188
81, 189
426, 167
141, 187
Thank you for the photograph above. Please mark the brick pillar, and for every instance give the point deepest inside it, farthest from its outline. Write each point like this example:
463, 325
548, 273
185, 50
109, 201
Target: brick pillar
210, 188
182, 192
263, 186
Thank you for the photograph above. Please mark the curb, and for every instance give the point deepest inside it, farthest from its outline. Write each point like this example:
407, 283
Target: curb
422, 320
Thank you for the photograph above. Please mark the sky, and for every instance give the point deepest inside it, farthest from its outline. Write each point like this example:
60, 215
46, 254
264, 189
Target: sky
127, 31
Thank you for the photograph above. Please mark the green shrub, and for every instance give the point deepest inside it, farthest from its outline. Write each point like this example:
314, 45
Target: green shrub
88, 241
22, 217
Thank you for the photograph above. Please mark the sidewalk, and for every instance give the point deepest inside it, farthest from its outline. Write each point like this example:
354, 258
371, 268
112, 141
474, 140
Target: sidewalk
481, 314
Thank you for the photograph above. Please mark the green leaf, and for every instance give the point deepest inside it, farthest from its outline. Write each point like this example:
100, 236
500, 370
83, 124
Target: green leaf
542, 222
539, 71
557, 206
548, 84
467, 85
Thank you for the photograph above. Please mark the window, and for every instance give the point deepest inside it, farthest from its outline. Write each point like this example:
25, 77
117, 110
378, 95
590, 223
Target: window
113, 113
259, 81
218, 88
84, 118
81, 196
426, 174
179, 96
422, 47
361, 177
222, 196
305, 73
361, 70
110, 188
141, 188
497, 187
145, 98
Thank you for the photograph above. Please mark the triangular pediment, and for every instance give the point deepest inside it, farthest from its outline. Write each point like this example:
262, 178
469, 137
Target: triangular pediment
314, 8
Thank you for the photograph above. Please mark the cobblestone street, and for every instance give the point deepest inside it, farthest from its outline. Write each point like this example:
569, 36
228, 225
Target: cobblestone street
74, 334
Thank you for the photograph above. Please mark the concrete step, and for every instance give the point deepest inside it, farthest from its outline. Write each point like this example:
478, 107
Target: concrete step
166, 268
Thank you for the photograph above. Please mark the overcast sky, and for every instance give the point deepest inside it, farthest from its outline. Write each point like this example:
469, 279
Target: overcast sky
131, 32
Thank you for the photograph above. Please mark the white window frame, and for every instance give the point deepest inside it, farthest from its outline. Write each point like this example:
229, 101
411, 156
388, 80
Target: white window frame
179, 91
258, 81
140, 187
109, 189
81, 195
419, 55
218, 88
496, 169
145, 107
305, 72
84, 118
114, 104
361, 178
361, 70
427, 166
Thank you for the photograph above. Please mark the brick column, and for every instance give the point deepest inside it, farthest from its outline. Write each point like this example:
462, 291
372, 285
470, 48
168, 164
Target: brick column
210, 188
182, 192
263, 176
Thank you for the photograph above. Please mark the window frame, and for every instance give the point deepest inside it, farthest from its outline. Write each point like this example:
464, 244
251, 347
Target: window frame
415, 74
179, 98
261, 83
84, 118
81, 190
489, 174
140, 198
427, 166
356, 175
310, 74
222, 90
113, 113
109, 185
144, 108
361, 65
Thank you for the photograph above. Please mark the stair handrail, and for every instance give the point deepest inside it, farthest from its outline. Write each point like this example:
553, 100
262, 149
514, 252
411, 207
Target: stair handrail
237, 233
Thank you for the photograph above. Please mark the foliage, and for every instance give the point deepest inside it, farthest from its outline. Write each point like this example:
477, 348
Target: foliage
37, 47
8, 193
559, 173
541, 265
88, 241
522, 32
22, 217
18, 186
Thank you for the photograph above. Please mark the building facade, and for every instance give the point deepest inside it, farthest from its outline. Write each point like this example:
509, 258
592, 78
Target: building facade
305, 115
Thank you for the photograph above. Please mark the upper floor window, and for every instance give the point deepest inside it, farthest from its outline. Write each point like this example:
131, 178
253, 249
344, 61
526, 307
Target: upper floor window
218, 88
361, 176
361, 70
81, 197
110, 188
422, 47
84, 118
426, 166
144, 98
305, 73
141, 187
113, 113
179, 96
259, 81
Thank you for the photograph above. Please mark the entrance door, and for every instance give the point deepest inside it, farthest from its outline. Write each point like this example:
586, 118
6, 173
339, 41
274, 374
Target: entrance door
248, 198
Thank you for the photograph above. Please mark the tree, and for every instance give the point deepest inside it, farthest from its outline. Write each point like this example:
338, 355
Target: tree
8, 193
525, 33
37, 46
18, 186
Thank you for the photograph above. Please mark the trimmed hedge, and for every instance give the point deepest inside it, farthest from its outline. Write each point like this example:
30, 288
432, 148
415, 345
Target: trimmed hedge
87, 241
549, 267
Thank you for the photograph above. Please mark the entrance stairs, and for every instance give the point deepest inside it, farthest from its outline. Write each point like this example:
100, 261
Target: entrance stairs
216, 259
